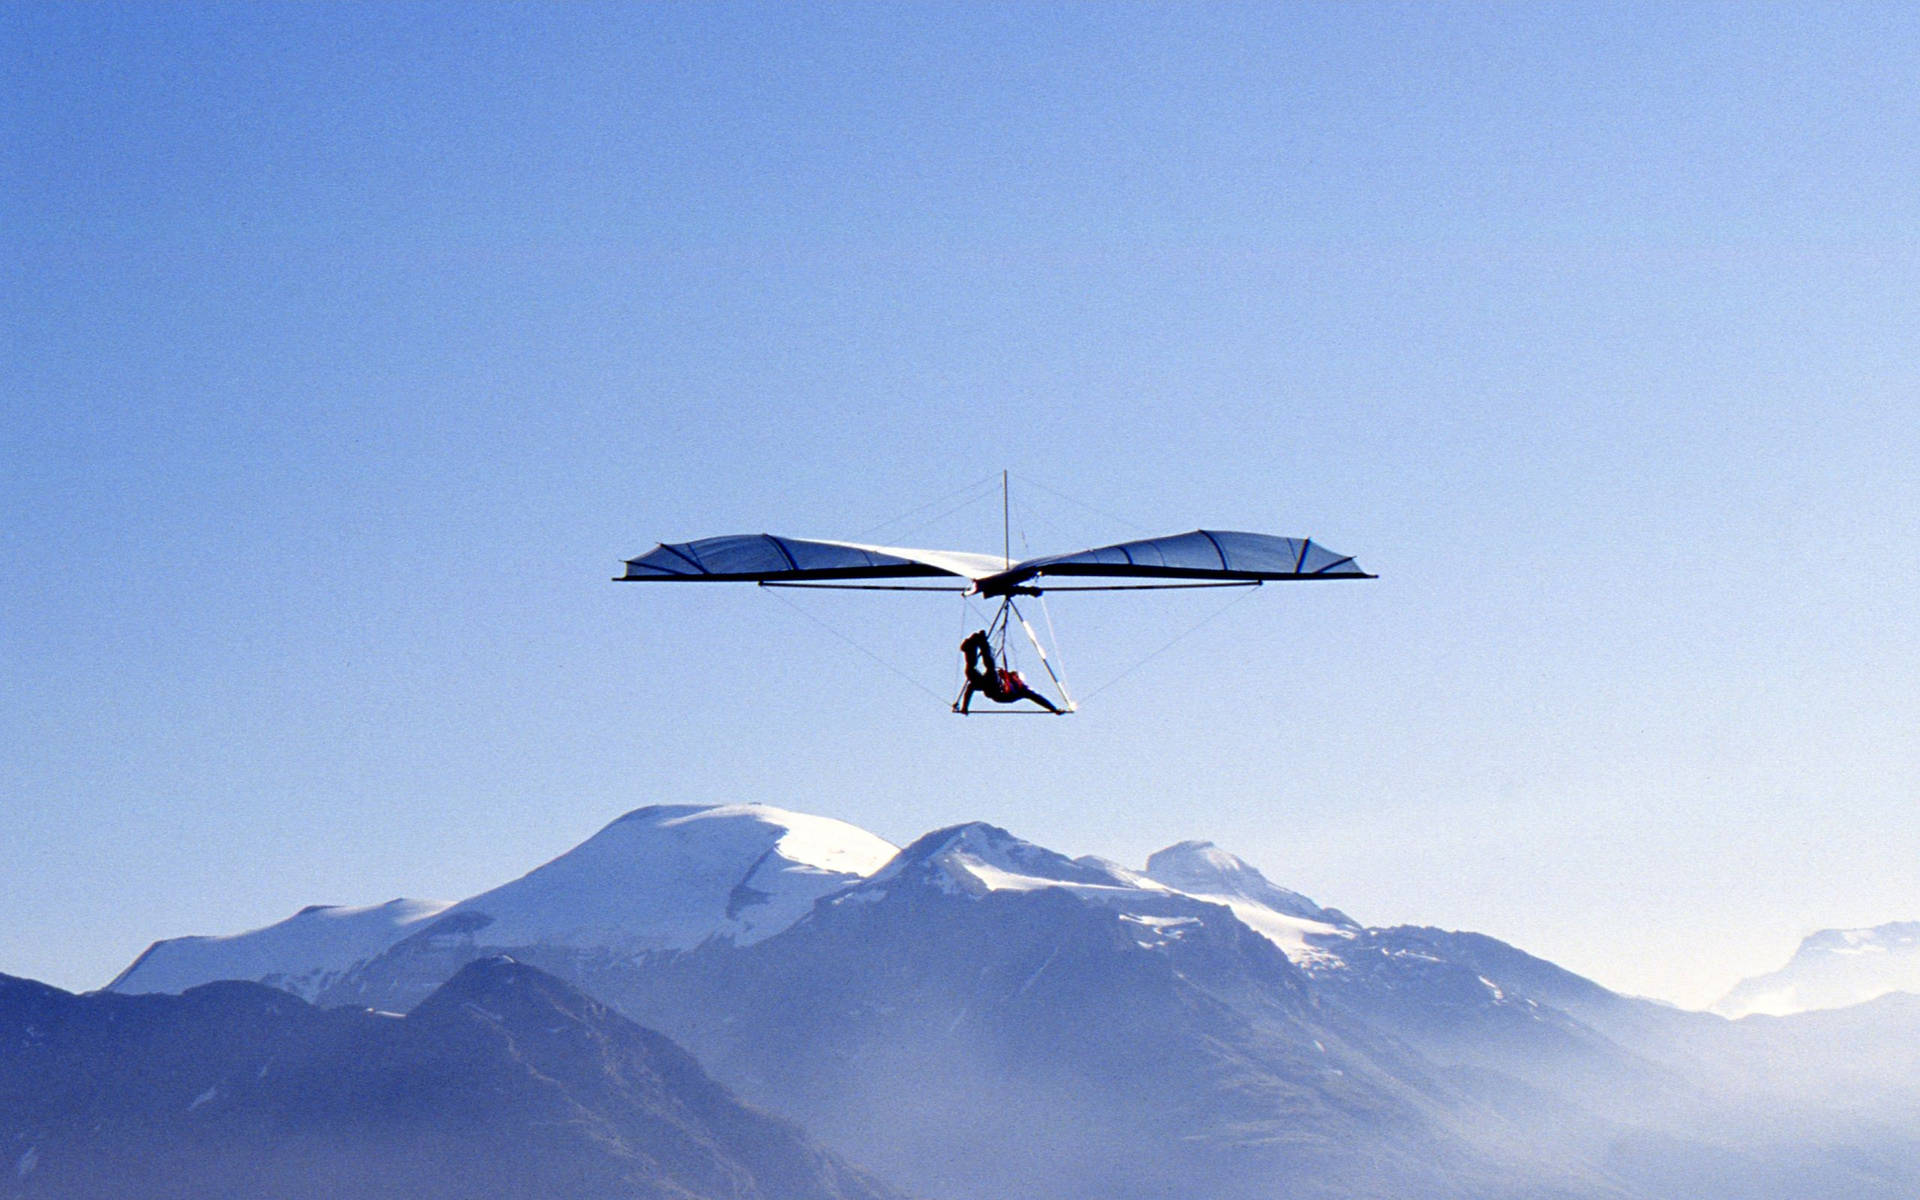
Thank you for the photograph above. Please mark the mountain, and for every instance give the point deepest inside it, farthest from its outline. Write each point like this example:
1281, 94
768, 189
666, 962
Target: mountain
671, 876
504, 1083
662, 878
985, 1017
978, 1016
1305, 931
1818, 1054
304, 954
1832, 969
1204, 869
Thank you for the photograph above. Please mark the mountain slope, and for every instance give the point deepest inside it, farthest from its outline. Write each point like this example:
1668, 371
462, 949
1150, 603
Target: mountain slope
980, 1016
984, 1017
303, 954
669, 877
504, 1083
661, 878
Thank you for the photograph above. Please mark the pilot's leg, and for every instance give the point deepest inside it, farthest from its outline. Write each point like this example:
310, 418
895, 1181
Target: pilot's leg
1027, 693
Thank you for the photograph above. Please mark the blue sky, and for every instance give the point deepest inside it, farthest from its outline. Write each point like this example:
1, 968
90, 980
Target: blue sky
349, 349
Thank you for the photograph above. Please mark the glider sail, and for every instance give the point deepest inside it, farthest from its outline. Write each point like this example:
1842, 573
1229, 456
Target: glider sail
764, 558
1202, 556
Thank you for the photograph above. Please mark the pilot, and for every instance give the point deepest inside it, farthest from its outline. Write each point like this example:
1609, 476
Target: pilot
984, 675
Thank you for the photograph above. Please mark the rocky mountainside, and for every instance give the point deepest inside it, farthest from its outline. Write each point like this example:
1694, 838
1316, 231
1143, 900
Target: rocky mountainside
504, 1083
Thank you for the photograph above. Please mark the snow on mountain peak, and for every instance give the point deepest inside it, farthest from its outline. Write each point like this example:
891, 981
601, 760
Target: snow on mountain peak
820, 842
1833, 968
1181, 883
668, 877
1302, 929
663, 877
301, 954
1199, 857
1204, 869
977, 857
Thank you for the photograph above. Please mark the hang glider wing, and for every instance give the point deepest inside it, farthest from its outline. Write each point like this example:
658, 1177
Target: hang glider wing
764, 558
1205, 555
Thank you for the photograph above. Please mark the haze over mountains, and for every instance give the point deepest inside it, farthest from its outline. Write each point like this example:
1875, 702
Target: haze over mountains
975, 1015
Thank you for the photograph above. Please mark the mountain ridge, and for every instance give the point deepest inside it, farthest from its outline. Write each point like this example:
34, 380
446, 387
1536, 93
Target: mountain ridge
504, 1083
1833, 968
979, 1015
745, 871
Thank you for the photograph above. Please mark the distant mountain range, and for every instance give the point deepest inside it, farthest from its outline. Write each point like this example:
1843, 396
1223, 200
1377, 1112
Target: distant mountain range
1833, 969
977, 1016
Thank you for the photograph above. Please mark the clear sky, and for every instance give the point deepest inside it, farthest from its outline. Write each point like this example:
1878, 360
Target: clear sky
347, 350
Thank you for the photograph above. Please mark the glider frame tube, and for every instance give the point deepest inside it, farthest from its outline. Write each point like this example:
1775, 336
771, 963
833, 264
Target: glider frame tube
1001, 585
1144, 587
860, 587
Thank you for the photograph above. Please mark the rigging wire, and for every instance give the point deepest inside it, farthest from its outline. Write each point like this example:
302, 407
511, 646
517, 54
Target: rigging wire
1177, 639
999, 623
959, 665
1051, 528
938, 517
856, 645
970, 620
1099, 512
976, 485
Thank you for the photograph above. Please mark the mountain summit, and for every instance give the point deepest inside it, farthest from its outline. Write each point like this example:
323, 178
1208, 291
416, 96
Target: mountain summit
1204, 869
977, 857
669, 877
1832, 969
665, 877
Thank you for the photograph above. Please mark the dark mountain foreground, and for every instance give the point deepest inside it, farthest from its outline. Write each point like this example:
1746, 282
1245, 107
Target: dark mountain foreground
504, 1082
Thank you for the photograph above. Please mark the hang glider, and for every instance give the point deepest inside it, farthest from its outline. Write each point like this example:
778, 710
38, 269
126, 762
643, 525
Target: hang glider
1200, 558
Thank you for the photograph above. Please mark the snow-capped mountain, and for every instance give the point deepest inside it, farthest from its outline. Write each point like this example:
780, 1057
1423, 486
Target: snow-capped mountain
1182, 885
879, 996
661, 878
1832, 969
1307, 933
669, 877
304, 954
986, 1017
1204, 869
976, 1015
